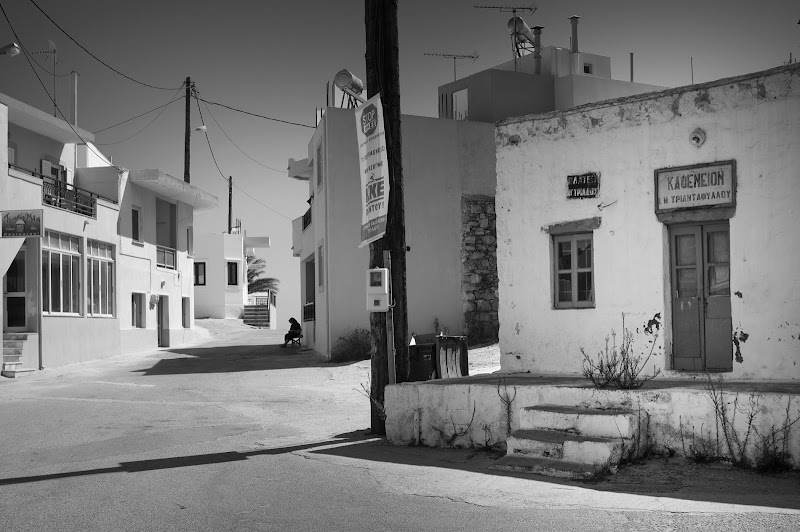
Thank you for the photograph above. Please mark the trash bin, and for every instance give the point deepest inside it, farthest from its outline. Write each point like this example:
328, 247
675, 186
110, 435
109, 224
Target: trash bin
452, 357
421, 358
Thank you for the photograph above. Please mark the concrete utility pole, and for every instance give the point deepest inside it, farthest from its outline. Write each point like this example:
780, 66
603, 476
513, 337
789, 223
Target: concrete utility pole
380, 18
188, 129
230, 203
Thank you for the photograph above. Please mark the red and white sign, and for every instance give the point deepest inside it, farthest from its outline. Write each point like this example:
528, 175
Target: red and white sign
374, 166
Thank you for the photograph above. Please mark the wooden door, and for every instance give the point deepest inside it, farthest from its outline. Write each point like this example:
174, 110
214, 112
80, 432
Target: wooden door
701, 306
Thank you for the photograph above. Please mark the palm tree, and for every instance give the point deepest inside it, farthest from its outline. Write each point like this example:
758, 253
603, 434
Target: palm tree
256, 283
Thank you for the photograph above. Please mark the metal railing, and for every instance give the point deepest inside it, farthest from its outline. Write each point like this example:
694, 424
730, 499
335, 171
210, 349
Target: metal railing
166, 257
308, 312
65, 196
307, 219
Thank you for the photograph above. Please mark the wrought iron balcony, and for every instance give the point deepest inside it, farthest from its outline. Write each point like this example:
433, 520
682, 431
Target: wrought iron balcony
166, 257
63, 195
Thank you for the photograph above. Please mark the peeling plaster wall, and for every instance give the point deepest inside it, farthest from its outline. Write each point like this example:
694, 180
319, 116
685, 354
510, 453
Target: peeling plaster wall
470, 415
752, 119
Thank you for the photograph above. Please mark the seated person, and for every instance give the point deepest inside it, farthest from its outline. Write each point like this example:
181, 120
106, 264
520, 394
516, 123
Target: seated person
295, 331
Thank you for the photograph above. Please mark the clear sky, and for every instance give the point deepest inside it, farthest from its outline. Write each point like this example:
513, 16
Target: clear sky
274, 58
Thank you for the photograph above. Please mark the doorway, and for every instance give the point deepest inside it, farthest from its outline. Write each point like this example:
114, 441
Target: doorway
14, 307
701, 297
162, 321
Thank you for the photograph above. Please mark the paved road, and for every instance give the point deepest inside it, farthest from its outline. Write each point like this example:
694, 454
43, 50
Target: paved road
238, 434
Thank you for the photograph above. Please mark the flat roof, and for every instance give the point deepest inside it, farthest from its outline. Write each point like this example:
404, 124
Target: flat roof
170, 187
36, 120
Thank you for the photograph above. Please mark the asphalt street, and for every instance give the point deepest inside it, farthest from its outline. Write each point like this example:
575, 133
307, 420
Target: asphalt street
238, 434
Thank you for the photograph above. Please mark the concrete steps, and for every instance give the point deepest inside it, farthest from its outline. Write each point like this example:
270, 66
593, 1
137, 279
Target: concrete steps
13, 344
568, 441
256, 315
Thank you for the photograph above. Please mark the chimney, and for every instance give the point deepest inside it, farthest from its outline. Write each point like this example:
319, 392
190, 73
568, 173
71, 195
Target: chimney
537, 49
574, 21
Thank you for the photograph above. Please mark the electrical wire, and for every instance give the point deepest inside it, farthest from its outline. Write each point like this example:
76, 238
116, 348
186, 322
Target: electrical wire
256, 114
236, 146
33, 69
163, 108
139, 116
94, 56
208, 139
42, 67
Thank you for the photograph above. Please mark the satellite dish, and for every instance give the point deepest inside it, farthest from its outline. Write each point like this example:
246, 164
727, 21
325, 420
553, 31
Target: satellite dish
517, 27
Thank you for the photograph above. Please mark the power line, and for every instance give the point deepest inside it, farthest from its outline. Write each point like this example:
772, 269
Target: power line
97, 58
42, 67
163, 108
236, 146
208, 139
139, 116
16, 37
255, 114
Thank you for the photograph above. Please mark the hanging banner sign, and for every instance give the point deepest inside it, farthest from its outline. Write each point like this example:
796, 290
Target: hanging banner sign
21, 223
696, 186
374, 166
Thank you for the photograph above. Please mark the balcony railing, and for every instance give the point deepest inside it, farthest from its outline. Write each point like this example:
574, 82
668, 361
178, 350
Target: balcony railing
308, 312
63, 195
165, 257
307, 219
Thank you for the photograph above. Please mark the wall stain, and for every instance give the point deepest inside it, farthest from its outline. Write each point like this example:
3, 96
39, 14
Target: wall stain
703, 101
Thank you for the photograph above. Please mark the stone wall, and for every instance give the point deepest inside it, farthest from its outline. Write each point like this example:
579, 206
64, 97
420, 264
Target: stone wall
479, 267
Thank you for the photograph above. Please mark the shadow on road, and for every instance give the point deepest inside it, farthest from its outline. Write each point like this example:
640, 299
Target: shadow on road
189, 461
674, 479
234, 358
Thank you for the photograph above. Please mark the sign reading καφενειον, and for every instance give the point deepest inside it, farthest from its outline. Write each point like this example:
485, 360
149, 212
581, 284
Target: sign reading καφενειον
697, 186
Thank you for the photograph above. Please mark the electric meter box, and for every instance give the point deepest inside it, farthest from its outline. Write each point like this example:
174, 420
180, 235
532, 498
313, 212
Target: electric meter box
378, 290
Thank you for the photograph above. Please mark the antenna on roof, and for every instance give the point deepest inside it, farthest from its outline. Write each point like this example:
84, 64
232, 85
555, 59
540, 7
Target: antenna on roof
51, 52
516, 27
454, 57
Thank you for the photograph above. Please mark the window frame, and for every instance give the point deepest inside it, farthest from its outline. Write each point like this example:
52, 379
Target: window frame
104, 257
588, 68
320, 267
75, 255
234, 271
138, 314
318, 164
574, 270
136, 229
196, 276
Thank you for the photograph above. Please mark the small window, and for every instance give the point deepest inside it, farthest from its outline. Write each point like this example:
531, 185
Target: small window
136, 224
587, 68
137, 310
318, 161
199, 273
187, 312
573, 271
233, 273
320, 268
190, 241
11, 156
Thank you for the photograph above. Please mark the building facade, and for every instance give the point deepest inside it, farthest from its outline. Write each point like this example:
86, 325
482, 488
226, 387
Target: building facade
220, 273
448, 176
674, 208
81, 281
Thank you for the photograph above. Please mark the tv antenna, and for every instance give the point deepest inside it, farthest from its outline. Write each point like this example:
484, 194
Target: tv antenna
51, 53
454, 57
516, 26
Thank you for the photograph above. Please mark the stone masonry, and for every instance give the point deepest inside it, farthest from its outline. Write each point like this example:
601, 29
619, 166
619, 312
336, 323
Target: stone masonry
479, 267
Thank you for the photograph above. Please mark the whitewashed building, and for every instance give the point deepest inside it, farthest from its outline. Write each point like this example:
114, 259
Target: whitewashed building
678, 206
104, 265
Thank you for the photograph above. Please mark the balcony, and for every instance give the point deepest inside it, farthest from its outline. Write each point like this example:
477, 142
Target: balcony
308, 312
165, 257
63, 195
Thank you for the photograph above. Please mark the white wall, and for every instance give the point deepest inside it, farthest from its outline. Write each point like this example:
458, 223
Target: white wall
754, 120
